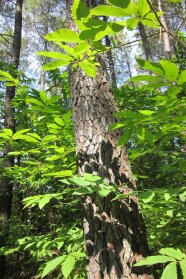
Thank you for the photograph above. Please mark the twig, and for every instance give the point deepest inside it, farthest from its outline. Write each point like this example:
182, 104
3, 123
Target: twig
165, 27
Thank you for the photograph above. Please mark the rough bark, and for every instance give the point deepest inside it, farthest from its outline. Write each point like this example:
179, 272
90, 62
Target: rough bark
166, 39
115, 235
145, 42
6, 184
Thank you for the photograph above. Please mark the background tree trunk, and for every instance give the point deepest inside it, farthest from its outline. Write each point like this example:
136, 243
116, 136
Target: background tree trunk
145, 42
166, 40
115, 235
6, 184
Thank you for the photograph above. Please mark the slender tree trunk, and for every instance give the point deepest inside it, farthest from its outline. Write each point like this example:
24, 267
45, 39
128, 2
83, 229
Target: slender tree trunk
145, 42
115, 235
111, 62
166, 39
6, 184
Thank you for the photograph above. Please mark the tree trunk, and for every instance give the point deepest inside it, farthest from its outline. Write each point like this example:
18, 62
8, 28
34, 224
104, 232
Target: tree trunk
111, 62
145, 42
115, 235
6, 184
166, 40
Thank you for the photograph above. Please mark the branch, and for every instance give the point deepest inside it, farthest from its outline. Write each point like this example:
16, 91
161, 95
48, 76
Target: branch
165, 28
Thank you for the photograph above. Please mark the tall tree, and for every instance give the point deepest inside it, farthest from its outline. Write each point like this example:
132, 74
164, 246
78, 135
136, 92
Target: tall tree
114, 230
6, 184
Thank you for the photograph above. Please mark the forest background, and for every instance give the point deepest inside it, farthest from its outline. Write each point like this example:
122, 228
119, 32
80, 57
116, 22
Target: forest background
142, 46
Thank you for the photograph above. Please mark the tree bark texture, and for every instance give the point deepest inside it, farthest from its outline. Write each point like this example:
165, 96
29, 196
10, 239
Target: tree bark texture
115, 235
6, 184
145, 42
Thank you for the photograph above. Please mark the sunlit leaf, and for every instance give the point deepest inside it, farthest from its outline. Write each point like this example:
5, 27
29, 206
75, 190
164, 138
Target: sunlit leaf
170, 271
68, 266
52, 265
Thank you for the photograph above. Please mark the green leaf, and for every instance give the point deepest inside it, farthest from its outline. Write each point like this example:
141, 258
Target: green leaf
145, 135
68, 266
103, 192
146, 112
60, 150
83, 191
147, 196
150, 66
169, 193
67, 48
170, 271
88, 66
116, 126
26, 138
63, 35
78, 254
183, 268
182, 78
20, 132
77, 180
60, 173
93, 178
53, 158
43, 96
81, 48
4, 136
14, 153
35, 101
8, 77
144, 78
49, 138
44, 201
51, 265
171, 70
119, 3
8, 132
150, 23
104, 10
154, 260
125, 138
154, 85
80, 11
143, 7
34, 135
55, 55
175, 253
55, 64
59, 121
128, 114
132, 23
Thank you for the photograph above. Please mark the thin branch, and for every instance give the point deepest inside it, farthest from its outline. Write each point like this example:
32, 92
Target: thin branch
174, 36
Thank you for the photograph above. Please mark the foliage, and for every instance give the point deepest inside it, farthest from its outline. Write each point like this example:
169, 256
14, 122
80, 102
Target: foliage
173, 256
151, 115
